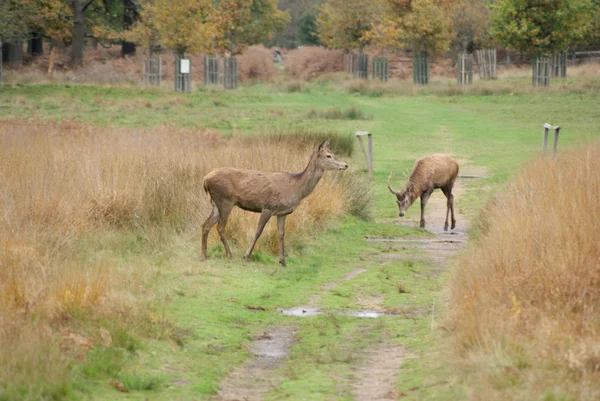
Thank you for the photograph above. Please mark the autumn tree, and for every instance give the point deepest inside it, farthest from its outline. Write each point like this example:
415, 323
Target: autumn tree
470, 24
541, 26
348, 24
424, 24
184, 26
246, 22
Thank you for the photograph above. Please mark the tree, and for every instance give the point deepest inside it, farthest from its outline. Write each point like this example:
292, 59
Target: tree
424, 24
470, 22
348, 24
246, 22
307, 29
541, 26
185, 25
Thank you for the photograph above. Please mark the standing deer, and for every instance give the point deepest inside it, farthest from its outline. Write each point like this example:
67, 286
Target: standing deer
268, 193
428, 173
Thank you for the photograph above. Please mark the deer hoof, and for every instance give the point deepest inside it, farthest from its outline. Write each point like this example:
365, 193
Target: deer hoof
422, 225
282, 263
453, 225
446, 227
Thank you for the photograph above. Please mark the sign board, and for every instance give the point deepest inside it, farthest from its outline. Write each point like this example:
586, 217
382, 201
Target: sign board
361, 133
185, 66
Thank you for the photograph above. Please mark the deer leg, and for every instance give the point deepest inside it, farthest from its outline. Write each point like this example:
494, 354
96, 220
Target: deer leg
224, 215
449, 207
424, 198
208, 224
264, 218
281, 230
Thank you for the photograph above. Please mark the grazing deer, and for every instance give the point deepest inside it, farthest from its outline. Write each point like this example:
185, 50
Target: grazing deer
268, 193
428, 173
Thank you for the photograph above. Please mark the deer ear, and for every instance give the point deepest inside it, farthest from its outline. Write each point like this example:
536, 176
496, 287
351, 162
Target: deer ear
324, 144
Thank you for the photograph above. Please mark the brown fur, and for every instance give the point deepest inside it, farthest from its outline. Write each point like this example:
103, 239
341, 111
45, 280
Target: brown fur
265, 192
429, 173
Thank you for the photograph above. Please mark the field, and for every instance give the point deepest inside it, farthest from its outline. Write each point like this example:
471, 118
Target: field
102, 209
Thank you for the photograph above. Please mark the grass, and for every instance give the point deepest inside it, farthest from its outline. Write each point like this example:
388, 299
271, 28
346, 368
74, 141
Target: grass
102, 188
504, 332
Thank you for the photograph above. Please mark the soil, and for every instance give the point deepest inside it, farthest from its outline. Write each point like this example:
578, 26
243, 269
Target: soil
257, 376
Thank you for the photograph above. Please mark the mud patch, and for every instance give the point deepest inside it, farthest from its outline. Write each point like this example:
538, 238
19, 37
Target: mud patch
376, 374
256, 377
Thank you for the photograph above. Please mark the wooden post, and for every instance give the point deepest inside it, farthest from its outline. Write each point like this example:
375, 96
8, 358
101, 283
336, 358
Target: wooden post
369, 156
556, 129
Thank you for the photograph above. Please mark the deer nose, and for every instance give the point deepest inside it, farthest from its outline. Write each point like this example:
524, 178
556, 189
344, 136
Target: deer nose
401, 214
345, 167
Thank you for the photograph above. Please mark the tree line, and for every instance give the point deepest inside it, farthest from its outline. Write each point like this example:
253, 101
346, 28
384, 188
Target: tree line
229, 26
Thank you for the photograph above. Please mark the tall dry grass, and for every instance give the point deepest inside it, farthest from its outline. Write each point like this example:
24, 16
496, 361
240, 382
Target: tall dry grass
525, 298
69, 191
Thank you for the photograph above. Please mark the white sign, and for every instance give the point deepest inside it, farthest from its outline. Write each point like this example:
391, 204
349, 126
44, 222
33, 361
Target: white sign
185, 66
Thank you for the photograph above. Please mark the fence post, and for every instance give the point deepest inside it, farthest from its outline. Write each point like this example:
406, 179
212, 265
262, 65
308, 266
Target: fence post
465, 69
0, 63
420, 69
230, 72
183, 74
541, 71
556, 129
211, 70
380, 69
486, 61
152, 70
368, 156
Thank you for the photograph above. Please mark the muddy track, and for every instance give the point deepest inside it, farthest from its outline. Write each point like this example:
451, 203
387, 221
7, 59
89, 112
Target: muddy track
257, 376
376, 371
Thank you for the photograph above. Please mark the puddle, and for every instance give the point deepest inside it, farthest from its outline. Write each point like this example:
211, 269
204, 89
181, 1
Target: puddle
306, 311
419, 241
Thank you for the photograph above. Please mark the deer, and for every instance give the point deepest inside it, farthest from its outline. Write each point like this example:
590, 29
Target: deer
270, 193
428, 173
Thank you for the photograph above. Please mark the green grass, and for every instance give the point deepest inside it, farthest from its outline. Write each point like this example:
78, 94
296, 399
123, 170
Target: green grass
202, 324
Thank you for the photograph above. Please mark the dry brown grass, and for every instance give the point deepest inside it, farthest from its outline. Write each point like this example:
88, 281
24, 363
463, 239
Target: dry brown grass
310, 62
525, 298
70, 192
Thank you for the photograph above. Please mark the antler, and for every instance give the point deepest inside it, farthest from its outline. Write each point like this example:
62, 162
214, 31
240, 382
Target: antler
389, 187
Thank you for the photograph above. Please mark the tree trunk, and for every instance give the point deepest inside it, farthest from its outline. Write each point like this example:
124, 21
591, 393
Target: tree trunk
78, 44
130, 15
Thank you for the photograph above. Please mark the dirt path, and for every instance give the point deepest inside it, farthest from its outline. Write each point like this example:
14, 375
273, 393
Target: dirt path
376, 372
256, 377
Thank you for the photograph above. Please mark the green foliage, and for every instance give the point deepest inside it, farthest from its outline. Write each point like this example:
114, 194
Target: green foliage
307, 31
542, 26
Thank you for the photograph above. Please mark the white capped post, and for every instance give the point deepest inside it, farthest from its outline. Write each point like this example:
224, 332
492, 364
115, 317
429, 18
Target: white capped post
368, 156
556, 129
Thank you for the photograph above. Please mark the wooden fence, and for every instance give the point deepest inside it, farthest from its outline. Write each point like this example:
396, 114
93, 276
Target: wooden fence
211, 70
230, 72
420, 68
464, 68
541, 71
152, 70
380, 68
183, 74
486, 62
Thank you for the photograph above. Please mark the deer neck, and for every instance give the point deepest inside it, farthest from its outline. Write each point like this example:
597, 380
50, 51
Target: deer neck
413, 191
309, 178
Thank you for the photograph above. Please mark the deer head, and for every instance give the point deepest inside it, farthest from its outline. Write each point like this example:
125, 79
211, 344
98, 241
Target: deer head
402, 198
326, 159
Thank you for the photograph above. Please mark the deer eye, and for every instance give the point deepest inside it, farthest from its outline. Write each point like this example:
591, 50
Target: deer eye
329, 156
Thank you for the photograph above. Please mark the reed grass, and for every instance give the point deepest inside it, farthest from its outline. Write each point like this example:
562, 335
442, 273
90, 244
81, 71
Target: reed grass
72, 194
524, 299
